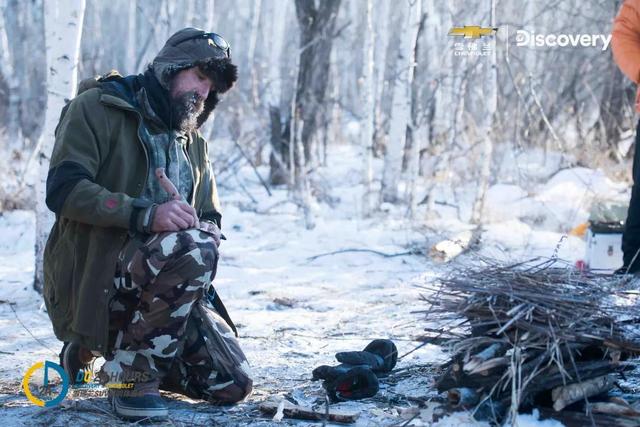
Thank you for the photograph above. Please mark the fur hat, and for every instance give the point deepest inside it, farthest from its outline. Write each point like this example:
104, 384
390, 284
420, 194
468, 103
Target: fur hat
188, 48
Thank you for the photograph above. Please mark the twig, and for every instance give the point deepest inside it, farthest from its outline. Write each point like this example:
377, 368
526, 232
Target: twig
383, 254
30, 333
253, 166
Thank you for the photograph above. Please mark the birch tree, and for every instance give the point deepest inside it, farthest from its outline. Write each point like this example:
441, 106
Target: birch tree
401, 106
317, 25
63, 30
10, 78
274, 94
210, 15
386, 56
132, 13
415, 136
366, 136
251, 62
189, 13
491, 92
307, 108
10, 95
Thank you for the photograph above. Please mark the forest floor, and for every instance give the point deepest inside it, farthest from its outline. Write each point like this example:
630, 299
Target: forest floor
298, 296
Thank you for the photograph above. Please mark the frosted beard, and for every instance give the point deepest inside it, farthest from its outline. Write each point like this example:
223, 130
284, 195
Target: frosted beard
185, 110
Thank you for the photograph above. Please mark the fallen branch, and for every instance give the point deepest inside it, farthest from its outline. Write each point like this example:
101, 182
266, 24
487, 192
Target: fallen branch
291, 410
615, 408
566, 395
341, 251
477, 362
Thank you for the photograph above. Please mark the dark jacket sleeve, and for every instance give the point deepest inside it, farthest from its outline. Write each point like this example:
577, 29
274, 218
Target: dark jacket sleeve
82, 142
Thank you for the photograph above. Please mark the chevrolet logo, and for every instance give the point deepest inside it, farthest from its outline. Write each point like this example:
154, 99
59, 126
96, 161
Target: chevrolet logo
472, 31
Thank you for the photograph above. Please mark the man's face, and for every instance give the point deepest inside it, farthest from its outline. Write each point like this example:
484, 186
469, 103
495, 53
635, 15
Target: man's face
189, 89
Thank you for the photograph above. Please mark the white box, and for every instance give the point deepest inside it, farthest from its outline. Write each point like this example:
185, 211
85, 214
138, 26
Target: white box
604, 253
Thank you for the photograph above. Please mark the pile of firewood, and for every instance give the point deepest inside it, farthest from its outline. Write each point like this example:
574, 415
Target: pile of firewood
529, 335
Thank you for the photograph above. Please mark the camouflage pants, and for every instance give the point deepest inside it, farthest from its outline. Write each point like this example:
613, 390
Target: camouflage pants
163, 332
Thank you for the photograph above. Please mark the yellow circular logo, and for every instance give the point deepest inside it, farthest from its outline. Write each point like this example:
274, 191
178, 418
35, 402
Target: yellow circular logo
46, 365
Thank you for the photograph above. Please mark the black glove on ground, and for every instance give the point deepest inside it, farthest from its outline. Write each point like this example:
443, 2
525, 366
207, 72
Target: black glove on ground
344, 382
380, 355
355, 378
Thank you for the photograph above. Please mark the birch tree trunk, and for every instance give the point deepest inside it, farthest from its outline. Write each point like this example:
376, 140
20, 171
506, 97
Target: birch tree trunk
167, 19
274, 94
131, 37
401, 106
491, 94
210, 15
439, 89
189, 13
317, 25
277, 34
10, 77
96, 28
332, 129
418, 107
389, 41
255, 29
32, 75
63, 30
366, 134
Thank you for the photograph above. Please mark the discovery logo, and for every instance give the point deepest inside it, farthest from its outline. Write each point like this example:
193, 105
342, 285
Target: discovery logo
530, 39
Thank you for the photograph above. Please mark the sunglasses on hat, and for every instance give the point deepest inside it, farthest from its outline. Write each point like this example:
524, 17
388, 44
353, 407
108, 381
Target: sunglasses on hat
214, 40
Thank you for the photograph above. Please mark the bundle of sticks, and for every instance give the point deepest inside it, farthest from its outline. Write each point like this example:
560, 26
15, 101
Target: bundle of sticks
532, 335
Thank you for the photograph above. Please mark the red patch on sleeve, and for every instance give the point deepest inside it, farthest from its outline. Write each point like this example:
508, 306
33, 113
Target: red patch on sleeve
111, 203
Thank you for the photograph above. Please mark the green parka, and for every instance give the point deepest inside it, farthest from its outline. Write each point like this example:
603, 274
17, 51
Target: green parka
99, 141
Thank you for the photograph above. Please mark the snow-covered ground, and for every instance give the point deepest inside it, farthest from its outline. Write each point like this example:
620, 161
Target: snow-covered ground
296, 309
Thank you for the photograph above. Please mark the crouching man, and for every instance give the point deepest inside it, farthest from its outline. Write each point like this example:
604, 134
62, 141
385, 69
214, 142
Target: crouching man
130, 259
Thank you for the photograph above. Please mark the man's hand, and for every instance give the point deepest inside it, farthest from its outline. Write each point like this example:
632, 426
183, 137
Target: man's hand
174, 215
212, 229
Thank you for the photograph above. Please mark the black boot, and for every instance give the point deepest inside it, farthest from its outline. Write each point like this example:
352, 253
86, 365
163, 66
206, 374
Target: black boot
138, 407
142, 401
76, 362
